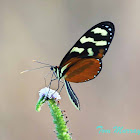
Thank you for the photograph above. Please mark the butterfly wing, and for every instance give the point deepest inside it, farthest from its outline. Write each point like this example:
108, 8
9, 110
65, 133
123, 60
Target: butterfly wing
83, 60
83, 70
94, 43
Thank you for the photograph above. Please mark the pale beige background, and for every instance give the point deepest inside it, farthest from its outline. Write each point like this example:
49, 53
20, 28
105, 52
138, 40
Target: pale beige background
45, 30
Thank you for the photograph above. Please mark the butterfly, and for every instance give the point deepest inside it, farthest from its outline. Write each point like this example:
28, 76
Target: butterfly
83, 62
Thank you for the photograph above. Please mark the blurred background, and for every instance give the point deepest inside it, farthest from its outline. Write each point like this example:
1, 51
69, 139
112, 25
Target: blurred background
45, 30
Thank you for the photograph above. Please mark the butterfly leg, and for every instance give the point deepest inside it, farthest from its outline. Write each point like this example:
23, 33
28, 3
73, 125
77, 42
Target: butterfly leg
57, 86
62, 87
46, 77
50, 81
53, 74
59, 80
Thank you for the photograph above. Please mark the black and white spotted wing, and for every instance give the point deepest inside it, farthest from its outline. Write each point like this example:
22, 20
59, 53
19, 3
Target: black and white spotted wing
94, 43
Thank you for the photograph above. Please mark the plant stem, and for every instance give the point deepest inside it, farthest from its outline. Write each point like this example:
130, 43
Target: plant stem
58, 119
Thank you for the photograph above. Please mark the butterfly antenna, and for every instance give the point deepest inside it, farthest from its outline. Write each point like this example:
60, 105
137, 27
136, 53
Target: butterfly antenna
33, 69
41, 62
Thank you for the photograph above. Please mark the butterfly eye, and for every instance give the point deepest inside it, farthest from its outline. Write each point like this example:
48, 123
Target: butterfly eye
51, 68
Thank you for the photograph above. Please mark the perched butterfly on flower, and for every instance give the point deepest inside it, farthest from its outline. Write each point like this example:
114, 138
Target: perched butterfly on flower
83, 62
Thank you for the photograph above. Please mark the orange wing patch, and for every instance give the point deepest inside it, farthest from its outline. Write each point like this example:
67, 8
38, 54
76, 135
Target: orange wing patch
71, 61
100, 54
83, 70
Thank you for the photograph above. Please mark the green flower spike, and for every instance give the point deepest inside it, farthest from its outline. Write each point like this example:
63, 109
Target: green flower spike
50, 96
